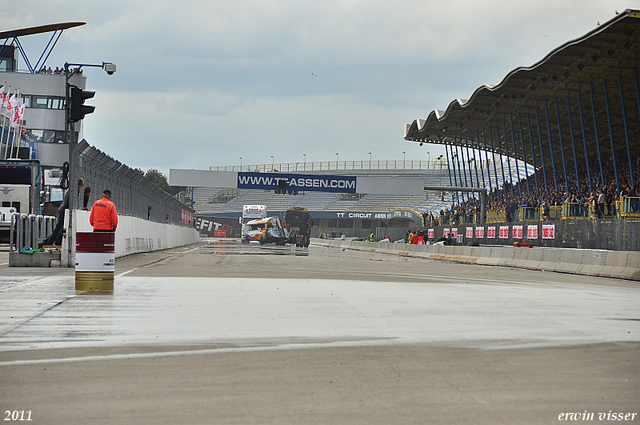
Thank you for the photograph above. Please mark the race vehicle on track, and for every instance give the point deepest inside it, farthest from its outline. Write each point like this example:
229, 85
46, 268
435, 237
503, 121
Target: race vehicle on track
266, 230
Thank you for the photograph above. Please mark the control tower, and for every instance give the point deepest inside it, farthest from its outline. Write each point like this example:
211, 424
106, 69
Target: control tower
42, 90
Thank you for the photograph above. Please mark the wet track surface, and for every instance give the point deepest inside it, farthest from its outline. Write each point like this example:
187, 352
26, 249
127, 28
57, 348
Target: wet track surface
244, 309
232, 293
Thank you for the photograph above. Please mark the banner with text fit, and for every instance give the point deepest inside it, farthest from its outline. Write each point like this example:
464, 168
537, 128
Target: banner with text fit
297, 182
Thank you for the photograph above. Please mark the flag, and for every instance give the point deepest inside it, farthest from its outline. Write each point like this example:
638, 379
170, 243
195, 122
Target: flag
5, 98
18, 114
12, 103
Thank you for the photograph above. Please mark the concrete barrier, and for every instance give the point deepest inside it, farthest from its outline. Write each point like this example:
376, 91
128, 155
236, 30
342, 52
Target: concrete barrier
520, 257
625, 264
484, 255
37, 259
593, 261
572, 260
135, 235
497, 256
617, 264
534, 258
551, 259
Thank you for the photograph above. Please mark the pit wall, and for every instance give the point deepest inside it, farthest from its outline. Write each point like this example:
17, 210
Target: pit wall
135, 235
604, 263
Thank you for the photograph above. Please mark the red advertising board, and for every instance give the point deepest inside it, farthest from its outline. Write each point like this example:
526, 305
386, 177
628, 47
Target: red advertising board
187, 217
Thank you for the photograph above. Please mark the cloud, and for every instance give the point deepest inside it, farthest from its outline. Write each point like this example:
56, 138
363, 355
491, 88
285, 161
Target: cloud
205, 83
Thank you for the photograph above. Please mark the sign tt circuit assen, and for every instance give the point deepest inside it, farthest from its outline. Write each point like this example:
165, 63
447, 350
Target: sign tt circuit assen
299, 182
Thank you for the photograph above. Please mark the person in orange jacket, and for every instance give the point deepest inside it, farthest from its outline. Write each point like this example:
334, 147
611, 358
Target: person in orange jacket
104, 217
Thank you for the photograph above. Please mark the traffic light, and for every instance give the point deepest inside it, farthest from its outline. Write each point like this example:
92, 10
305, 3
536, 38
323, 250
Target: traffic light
77, 107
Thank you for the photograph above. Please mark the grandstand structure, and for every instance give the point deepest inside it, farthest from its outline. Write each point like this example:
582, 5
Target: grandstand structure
574, 115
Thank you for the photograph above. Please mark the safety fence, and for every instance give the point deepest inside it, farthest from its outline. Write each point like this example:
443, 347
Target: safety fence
133, 194
627, 208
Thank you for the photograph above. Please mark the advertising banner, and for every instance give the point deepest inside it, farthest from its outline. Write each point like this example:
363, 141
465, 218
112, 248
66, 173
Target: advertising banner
516, 232
548, 231
297, 182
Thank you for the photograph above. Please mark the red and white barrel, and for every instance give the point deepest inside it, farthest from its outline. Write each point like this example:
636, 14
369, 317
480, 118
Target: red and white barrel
95, 261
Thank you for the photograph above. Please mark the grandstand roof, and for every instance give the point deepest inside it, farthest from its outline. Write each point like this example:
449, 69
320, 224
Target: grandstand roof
555, 93
39, 29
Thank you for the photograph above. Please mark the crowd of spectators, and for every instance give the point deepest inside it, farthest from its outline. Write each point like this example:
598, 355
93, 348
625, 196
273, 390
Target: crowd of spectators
45, 70
537, 191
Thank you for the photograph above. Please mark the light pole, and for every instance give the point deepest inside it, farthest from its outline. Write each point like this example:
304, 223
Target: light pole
240, 163
110, 69
369, 160
272, 163
404, 159
337, 159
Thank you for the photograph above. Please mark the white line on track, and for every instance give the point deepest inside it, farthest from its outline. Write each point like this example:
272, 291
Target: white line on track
160, 354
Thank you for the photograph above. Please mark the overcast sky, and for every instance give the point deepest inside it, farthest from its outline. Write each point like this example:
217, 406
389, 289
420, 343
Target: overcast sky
205, 82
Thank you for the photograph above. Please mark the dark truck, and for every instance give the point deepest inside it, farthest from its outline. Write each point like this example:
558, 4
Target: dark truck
298, 221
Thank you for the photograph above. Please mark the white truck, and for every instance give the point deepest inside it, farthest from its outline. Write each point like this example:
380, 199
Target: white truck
249, 213
20, 185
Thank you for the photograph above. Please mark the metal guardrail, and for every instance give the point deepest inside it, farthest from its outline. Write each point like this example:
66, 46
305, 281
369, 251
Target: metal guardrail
27, 230
575, 211
286, 167
629, 207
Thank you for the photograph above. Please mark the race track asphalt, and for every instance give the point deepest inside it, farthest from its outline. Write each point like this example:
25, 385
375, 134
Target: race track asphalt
226, 333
